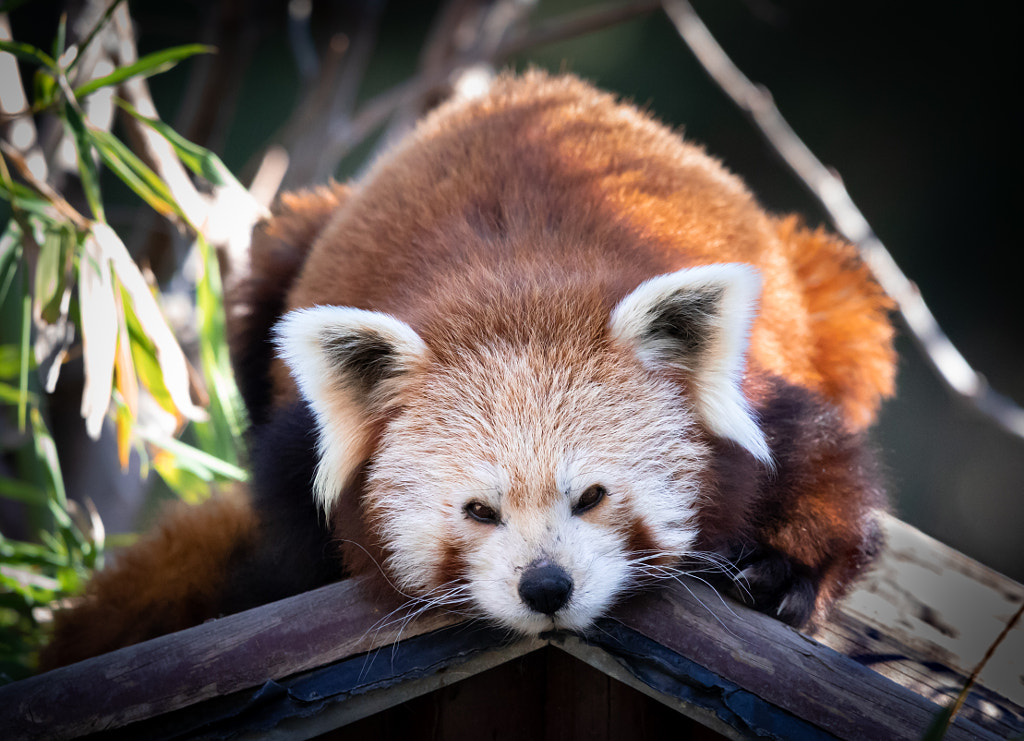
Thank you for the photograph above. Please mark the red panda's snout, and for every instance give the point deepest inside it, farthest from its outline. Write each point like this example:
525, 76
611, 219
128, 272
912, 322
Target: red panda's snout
545, 587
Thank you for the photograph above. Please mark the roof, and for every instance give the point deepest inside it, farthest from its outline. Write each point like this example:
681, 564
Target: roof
905, 640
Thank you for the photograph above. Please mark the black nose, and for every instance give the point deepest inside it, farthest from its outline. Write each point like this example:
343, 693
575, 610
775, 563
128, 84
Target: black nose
545, 587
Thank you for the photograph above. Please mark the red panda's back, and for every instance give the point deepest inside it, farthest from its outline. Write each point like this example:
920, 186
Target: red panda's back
546, 179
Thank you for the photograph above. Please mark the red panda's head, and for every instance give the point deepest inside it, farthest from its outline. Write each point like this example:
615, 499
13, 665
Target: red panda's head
532, 484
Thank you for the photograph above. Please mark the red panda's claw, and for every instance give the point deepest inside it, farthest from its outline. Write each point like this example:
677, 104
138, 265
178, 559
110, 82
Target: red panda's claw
773, 583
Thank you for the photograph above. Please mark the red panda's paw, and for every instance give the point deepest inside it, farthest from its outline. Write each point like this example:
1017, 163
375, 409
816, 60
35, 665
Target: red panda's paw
771, 582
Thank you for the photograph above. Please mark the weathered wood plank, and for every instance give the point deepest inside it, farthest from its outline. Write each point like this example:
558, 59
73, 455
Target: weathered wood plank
925, 616
784, 667
219, 657
923, 642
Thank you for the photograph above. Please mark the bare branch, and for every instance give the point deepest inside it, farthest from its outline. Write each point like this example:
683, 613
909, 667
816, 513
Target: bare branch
463, 30
65, 209
952, 369
345, 135
577, 23
327, 108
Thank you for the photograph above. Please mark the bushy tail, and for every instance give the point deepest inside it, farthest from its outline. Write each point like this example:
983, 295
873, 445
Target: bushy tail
853, 350
170, 580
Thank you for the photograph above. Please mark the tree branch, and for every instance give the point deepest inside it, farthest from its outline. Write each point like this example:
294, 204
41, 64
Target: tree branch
956, 374
348, 132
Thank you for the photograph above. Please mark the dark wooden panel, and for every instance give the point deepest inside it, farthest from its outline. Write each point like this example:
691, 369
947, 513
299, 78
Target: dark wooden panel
544, 696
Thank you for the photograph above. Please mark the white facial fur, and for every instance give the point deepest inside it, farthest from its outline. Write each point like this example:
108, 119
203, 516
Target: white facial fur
524, 431
526, 438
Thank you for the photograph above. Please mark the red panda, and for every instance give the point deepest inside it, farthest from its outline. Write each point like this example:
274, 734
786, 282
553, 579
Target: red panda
544, 353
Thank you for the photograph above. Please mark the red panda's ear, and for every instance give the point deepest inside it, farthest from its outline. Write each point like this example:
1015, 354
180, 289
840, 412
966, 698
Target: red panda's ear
349, 365
695, 322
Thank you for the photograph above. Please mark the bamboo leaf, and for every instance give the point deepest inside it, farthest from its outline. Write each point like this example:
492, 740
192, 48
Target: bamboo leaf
99, 332
61, 38
134, 173
149, 65
199, 160
189, 485
46, 452
199, 462
24, 198
92, 34
123, 421
28, 52
44, 89
12, 394
26, 341
10, 361
86, 167
147, 367
28, 553
56, 332
10, 252
127, 383
51, 278
172, 360
227, 417
22, 491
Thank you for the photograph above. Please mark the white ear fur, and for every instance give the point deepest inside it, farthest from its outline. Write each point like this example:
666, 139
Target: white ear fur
696, 321
347, 364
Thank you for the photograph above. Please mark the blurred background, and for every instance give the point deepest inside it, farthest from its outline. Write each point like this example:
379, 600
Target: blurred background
917, 109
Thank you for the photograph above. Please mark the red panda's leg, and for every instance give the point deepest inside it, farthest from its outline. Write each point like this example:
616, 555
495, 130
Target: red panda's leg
810, 524
170, 580
820, 507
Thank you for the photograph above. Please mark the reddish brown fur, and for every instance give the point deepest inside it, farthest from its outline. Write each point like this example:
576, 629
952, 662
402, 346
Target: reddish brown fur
592, 199
588, 182
172, 579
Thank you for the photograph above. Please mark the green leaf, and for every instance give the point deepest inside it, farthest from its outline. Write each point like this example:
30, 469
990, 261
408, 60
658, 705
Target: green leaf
201, 463
147, 365
12, 394
61, 38
26, 199
28, 52
199, 160
86, 167
51, 272
10, 361
134, 173
44, 89
10, 254
26, 344
14, 551
46, 452
92, 34
172, 360
22, 491
149, 65
227, 417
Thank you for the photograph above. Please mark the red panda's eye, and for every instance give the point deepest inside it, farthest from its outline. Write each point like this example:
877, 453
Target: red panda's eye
481, 513
589, 499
